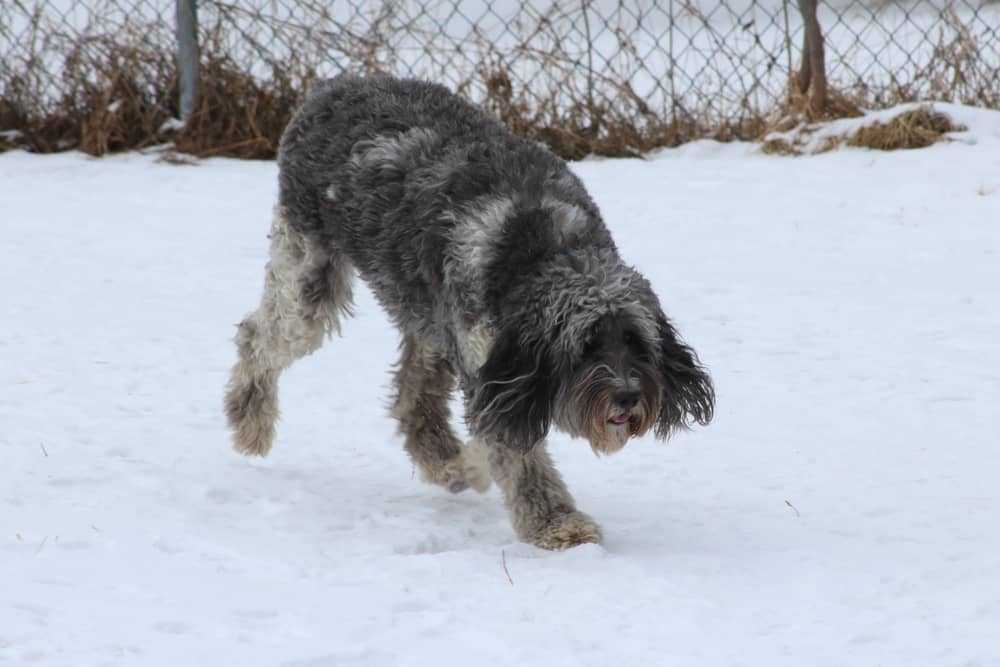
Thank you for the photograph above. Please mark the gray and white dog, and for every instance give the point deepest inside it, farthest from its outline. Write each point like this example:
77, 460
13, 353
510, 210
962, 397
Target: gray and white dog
493, 261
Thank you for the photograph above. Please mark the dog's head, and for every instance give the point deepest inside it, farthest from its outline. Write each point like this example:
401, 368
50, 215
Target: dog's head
615, 389
623, 374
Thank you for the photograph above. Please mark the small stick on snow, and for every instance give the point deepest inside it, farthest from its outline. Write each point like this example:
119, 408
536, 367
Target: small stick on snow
42, 445
793, 508
42, 545
503, 561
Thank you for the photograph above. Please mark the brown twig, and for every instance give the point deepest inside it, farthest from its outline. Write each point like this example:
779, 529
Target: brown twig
503, 561
793, 508
42, 545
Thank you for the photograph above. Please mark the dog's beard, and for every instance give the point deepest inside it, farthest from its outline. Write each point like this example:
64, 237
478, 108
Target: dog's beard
593, 415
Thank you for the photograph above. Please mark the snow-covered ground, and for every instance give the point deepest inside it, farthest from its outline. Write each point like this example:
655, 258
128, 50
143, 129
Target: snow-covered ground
842, 509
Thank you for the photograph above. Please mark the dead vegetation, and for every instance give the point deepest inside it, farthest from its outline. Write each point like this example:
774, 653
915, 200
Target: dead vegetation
799, 110
124, 97
115, 95
239, 116
117, 89
574, 128
915, 128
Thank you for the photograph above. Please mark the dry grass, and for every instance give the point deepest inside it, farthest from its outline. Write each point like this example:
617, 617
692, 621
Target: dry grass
797, 121
918, 128
796, 111
116, 96
798, 142
575, 128
239, 116
122, 98
118, 90
779, 146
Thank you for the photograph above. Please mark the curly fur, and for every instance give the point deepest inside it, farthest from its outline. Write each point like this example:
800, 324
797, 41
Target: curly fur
494, 263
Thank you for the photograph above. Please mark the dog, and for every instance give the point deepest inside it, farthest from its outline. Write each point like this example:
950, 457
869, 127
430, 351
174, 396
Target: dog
494, 263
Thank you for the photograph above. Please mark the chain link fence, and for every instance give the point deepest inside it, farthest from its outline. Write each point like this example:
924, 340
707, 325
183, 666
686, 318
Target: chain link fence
607, 75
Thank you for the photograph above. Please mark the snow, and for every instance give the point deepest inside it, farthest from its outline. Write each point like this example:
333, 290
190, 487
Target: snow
172, 125
842, 509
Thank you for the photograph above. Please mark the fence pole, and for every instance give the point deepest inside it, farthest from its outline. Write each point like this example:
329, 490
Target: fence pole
673, 66
188, 56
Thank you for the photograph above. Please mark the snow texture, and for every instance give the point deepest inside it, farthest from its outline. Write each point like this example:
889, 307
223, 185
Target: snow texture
842, 509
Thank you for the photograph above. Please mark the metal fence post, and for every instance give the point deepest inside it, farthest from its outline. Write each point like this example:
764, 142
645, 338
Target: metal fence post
188, 56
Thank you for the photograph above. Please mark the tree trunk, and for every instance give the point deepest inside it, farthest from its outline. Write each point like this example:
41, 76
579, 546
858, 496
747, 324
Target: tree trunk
812, 73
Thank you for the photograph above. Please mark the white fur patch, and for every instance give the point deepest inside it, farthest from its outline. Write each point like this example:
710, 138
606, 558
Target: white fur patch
331, 192
476, 345
476, 233
568, 219
477, 468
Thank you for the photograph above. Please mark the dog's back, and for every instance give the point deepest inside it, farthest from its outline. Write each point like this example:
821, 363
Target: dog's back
358, 145
382, 168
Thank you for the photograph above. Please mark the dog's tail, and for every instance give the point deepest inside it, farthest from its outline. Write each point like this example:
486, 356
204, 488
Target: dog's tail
307, 289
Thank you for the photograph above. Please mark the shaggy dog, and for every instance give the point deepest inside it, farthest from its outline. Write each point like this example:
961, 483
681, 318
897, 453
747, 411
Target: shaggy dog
494, 263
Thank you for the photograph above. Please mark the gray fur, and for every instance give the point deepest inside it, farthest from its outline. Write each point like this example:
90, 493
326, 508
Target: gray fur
424, 382
541, 508
494, 263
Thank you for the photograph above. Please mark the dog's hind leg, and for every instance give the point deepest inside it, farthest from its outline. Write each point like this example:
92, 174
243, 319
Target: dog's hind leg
541, 508
424, 382
307, 289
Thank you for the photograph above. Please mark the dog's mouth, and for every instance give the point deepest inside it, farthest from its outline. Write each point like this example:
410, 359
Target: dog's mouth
629, 423
619, 420
620, 427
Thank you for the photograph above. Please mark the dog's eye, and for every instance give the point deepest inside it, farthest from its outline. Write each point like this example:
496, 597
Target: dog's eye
630, 338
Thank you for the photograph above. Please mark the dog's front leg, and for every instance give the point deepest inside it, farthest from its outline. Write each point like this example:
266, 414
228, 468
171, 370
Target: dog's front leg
541, 508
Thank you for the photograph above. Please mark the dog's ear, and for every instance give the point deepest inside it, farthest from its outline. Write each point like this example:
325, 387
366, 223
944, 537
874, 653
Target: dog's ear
513, 397
688, 394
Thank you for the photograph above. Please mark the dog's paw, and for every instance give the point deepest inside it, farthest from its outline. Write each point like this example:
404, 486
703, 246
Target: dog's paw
462, 472
475, 466
251, 407
565, 531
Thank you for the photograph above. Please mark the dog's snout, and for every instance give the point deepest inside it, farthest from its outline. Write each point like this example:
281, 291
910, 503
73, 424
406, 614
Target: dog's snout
626, 400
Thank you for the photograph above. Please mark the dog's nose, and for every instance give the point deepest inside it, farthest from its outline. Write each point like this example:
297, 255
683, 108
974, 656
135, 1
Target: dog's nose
626, 400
